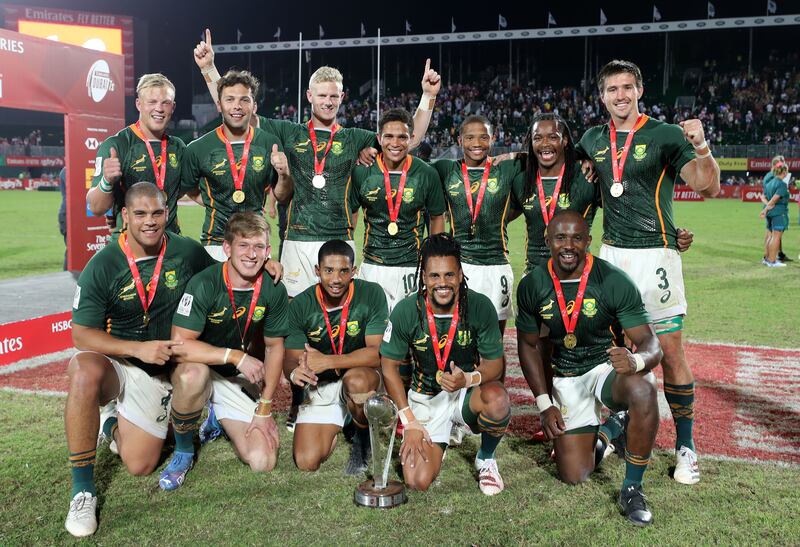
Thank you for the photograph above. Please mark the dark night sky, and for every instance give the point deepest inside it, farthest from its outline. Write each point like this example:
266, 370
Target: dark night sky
174, 27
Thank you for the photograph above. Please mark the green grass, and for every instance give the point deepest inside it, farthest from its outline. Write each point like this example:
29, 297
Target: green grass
732, 297
222, 502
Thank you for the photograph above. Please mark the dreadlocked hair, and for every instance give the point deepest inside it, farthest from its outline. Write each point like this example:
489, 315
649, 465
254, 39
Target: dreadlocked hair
532, 163
441, 244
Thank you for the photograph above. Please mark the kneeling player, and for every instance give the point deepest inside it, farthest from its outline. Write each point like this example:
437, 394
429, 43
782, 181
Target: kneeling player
449, 385
596, 302
335, 330
121, 314
221, 318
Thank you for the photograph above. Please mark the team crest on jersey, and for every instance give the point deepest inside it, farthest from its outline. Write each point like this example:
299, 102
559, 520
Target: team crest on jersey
173, 160
421, 344
337, 148
315, 335
563, 201
217, 316
126, 293
600, 154
589, 308
352, 328
408, 195
170, 279
372, 195
639, 152
546, 311
464, 338
492, 185
258, 313
301, 147
258, 163
138, 165
218, 168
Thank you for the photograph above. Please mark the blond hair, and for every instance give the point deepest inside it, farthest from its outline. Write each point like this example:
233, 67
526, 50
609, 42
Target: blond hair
154, 80
246, 224
326, 74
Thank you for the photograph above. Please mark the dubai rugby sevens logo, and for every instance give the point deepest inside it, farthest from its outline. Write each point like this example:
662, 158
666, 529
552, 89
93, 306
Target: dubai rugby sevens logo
98, 81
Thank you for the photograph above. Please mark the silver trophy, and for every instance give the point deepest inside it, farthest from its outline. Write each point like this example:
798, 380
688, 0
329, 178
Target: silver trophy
379, 491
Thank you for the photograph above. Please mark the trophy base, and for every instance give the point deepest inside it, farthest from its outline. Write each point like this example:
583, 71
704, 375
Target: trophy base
366, 495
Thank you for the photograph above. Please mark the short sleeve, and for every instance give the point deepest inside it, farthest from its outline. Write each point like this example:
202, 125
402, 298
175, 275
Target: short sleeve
364, 139
395, 342
193, 307
490, 341
190, 169
434, 201
527, 318
295, 324
276, 322
677, 150
628, 302
354, 192
90, 302
379, 312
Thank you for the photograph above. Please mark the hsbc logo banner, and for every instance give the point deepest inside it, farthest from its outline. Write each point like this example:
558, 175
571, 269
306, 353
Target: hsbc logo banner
91, 143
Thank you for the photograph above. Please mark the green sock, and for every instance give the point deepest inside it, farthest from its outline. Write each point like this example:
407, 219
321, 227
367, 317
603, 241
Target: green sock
82, 469
185, 426
110, 427
611, 429
635, 467
681, 403
492, 432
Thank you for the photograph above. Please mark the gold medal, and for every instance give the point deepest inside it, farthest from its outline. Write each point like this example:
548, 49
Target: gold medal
439, 374
145, 319
238, 196
165, 195
570, 341
392, 229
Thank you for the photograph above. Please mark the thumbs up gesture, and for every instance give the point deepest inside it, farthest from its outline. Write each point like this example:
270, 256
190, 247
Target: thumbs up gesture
112, 168
279, 161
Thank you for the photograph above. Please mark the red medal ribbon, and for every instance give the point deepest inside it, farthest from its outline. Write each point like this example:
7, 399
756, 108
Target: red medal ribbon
319, 165
572, 320
481, 190
547, 215
394, 208
146, 300
617, 168
441, 358
253, 302
342, 321
238, 178
162, 175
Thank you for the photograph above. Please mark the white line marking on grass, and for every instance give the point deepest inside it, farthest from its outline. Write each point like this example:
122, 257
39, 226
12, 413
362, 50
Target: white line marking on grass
45, 392
734, 345
34, 362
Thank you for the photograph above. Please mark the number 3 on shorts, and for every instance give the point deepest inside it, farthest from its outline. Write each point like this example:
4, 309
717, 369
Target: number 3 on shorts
664, 284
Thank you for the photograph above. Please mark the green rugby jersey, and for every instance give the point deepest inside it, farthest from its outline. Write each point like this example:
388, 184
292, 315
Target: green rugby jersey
408, 328
206, 166
137, 167
319, 214
206, 308
488, 245
611, 303
106, 296
583, 197
642, 216
422, 192
306, 324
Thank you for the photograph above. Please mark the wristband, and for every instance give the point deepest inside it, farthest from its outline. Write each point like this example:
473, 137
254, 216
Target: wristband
403, 418
241, 361
471, 381
703, 156
543, 402
291, 374
265, 401
227, 354
426, 102
104, 186
639, 362
701, 145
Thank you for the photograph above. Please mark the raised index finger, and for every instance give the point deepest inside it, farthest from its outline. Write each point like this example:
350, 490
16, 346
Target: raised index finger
208, 37
427, 65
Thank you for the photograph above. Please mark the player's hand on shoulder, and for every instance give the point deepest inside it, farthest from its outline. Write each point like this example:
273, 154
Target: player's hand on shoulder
279, 161
112, 167
274, 269
552, 422
622, 360
204, 52
685, 238
693, 131
366, 156
156, 352
588, 170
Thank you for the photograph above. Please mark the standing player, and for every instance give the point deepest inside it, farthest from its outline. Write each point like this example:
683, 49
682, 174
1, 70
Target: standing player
395, 193
335, 330
776, 212
457, 350
322, 155
121, 324
234, 166
143, 151
224, 312
637, 179
595, 301
478, 194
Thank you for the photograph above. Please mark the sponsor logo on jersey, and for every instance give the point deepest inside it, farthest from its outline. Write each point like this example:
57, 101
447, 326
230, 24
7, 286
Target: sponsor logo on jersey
464, 338
217, 167
352, 328
173, 160
301, 147
372, 195
492, 186
546, 311
600, 154
563, 201
218, 316
314, 335
639, 152
138, 165
421, 344
337, 148
170, 279
240, 311
570, 305
126, 293
589, 308
258, 163
408, 195
258, 313
185, 305
98, 81
455, 186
